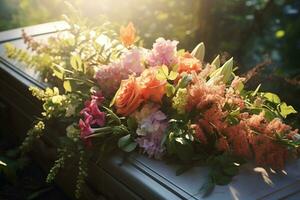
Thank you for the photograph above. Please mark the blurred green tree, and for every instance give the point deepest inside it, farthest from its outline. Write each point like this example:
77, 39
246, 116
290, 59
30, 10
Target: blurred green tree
251, 30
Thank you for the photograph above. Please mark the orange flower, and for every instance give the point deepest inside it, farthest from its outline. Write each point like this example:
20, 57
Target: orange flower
127, 34
188, 63
222, 144
268, 153
129, 97
238, 138
199, 134
152, 88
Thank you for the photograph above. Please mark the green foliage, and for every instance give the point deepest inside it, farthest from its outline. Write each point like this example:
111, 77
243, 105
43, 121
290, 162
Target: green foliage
223, 168
179, 101
33, 134
179, 140
82, 172
126, 143
58, 164
164, 74
285, 110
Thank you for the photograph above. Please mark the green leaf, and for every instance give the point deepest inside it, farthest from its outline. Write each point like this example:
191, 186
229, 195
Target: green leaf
132, 124
207, 187
184, 81
165, 70
181, 140
160, 76
67, 86
181, 52
231, 170
173, 75
170, 89
232, 120
184, 150
216, 62
285, 110
76, 63
272, 97
199, 51
112, 115
126, 143
58, 72
269, 115
222, 179
162, 73
255, 91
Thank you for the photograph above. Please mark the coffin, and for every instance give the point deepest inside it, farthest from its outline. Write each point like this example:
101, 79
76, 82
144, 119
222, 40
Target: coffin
138, 177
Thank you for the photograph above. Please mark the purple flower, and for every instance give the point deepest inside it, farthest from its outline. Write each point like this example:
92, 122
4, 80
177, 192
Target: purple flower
163, 53
151, 146
152, 125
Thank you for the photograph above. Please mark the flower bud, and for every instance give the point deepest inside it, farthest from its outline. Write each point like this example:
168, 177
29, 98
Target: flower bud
199, 51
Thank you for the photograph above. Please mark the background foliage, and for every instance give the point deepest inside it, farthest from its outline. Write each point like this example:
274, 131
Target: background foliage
251, 30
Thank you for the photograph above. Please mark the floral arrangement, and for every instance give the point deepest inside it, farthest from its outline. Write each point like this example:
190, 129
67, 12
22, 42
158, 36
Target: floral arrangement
167, 103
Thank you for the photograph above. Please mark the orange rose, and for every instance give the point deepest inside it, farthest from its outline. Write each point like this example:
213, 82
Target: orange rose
188, 63
129, 97
127, 34
152, 88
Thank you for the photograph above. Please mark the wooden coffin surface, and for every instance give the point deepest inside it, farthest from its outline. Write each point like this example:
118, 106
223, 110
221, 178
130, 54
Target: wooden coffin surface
139, 177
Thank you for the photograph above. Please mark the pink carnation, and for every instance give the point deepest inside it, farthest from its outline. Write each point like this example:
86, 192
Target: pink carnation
132, 62
109, 77
163, 53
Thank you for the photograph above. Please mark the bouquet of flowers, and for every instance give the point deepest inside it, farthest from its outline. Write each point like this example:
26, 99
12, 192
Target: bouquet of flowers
167, 103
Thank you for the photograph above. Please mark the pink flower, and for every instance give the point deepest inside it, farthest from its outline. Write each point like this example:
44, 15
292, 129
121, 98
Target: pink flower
85, 130
98, 97
92, 110
132, 62
92, 116
98, 116
163, 53
109, 77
